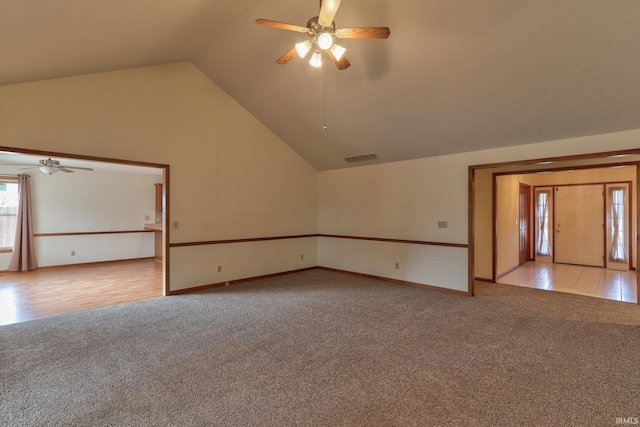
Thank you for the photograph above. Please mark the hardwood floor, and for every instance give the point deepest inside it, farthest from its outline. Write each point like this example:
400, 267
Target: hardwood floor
58, 290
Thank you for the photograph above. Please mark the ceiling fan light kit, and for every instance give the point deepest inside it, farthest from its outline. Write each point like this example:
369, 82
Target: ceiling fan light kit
338, 51
316, 59
49, 166
325, 41
303, 48
322, 30
48, 169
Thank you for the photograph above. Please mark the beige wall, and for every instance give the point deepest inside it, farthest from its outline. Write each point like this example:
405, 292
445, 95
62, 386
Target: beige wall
483, 254
589, 176
404, 200
89, 202
231, 177
507, 222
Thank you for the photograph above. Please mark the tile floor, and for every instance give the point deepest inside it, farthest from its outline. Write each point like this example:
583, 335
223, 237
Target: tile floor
575, 279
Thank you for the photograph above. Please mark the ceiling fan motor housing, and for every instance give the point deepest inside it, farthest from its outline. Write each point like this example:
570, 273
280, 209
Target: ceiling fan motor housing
50, 162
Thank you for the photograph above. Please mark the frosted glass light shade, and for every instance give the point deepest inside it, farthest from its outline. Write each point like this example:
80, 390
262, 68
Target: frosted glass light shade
316, 59
338, 51
49, 169
303, 48
325, 41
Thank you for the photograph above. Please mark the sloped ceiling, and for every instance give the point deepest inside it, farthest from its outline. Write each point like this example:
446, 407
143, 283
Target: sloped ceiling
454, 76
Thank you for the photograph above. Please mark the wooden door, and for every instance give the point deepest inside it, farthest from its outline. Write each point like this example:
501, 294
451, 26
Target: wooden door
579, 225
525, 214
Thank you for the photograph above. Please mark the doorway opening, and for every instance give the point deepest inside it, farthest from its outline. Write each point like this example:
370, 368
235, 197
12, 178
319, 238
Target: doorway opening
572, 228
95, 220
487, 229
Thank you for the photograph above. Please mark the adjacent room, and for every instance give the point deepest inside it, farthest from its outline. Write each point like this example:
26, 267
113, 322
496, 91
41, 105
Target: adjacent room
569, 230
334, 213
94, 230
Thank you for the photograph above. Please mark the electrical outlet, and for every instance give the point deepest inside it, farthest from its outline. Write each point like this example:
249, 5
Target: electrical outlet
219, 268
146, 217
397, 266
442, 224
73, 253
302, 256
175, 225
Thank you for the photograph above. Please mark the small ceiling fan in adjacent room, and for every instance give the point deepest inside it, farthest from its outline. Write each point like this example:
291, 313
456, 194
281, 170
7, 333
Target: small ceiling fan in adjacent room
49, 166
322, 30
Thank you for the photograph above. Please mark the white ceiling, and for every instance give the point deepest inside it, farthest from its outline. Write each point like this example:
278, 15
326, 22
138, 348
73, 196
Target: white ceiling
8, 159
454, 76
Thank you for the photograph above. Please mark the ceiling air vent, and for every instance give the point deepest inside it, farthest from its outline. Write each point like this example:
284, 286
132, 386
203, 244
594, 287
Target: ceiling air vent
361, 158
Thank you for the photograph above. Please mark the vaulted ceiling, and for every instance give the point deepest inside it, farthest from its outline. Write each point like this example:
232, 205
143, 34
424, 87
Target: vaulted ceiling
454, 76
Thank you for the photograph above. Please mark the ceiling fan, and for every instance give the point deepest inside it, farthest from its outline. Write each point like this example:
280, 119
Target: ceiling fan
322, 30
49, 166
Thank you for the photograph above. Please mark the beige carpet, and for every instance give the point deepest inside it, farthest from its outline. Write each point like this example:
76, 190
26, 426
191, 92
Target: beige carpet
321, 348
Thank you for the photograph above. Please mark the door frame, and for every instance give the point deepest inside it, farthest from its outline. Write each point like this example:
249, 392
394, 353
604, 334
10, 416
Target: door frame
524, 211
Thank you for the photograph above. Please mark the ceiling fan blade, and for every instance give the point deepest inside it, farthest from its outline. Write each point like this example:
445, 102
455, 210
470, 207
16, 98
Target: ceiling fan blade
284, 59
281, 25
19, 164
363, 33
63, 169
29, 167
76, 167
342, 64
328, 10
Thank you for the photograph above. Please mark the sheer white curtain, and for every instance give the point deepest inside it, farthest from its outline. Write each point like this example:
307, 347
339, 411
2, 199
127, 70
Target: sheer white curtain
542, 216
618, 252
23, 257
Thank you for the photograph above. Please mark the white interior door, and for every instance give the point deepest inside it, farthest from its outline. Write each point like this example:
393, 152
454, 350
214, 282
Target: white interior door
579, 225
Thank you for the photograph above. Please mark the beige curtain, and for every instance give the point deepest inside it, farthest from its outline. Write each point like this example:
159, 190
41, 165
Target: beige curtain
23, 257
618, 251
542, 247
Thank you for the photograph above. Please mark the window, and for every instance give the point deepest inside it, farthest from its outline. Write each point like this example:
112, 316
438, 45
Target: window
542, 218
8, 212
617, 196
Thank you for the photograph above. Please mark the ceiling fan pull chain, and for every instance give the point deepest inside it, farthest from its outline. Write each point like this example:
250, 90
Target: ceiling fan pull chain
324, 74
